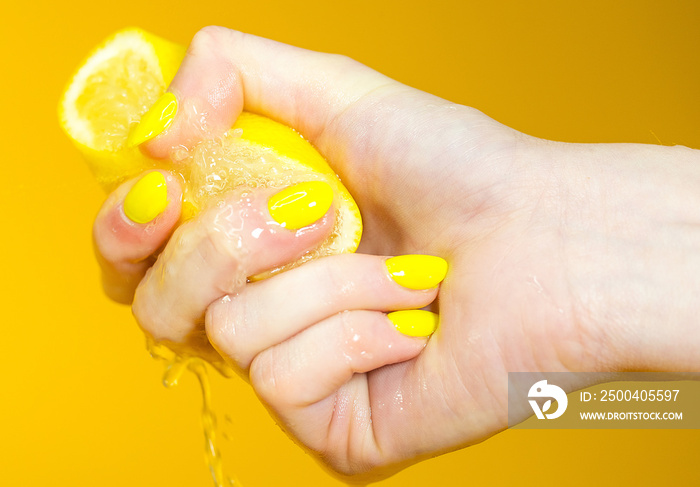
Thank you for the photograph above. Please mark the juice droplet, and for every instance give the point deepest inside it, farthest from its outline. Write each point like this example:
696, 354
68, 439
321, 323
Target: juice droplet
176, 365
174, 371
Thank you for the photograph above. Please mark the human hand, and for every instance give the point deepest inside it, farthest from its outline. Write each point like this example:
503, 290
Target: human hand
562, 258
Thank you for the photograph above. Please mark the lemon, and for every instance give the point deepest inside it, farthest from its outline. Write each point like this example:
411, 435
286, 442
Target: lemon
122, 78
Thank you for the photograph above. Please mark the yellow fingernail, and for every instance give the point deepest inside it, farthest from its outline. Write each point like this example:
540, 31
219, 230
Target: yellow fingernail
147, 198
414, 322
417, 271
300, 205
155, 120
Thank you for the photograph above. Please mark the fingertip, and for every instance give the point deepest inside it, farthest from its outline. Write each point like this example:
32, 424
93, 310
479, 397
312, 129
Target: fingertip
155, 121
226, 70
301, 205
203, 100
414, 322
153, 198
244, 221
416, 271
137, 218
147, 198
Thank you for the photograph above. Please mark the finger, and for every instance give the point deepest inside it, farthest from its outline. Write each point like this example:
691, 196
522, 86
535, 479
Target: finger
269, 312
300, 377
133, 223
213, 254
225, 71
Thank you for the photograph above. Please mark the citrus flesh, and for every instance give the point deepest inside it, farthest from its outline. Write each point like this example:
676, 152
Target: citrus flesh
126, 74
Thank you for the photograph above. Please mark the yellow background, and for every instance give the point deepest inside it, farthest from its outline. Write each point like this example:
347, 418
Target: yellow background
80, 400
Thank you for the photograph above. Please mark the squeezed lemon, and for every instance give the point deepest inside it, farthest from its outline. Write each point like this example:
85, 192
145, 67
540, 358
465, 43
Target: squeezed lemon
117, 84
107, 96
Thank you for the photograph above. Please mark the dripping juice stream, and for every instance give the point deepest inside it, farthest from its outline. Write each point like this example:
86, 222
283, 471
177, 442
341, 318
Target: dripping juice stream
176, 366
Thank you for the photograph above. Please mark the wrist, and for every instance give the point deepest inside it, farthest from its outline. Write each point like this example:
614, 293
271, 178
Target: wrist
632, 243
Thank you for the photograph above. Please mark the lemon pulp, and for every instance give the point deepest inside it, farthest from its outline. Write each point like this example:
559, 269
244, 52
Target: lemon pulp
120, 81
113, 101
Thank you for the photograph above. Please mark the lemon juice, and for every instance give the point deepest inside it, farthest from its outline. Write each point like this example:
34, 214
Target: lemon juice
176, 365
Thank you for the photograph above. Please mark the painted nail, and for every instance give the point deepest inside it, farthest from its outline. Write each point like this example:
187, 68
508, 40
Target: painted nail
155, 120
147, 198
417, 271
300, 205
414, 322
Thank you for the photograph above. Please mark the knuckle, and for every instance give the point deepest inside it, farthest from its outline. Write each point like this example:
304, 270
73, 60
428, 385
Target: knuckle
357, 344
350, 337
206, 38
141, 308
347, 325
340, 60
224, 242
225, 253
212, 38
338, 285
264, 377
153, 315
275, 377
210, 245
227, 327
350, 463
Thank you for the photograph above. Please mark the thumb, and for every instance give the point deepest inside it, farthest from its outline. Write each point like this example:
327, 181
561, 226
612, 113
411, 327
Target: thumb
134, 222
225, 72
